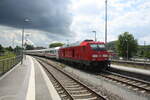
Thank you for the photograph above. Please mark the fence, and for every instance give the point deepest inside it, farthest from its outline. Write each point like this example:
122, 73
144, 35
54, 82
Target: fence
7, 64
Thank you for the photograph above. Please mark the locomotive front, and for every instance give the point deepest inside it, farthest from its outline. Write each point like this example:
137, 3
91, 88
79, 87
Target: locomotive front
99, 56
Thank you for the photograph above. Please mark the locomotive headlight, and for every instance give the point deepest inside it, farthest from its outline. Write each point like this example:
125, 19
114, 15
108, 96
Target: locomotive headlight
105, 55
94, 55
100, 55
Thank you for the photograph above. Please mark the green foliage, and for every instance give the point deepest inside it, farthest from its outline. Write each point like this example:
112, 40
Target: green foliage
29, 47
39, 48
17, 50
147, 54
126, 45
143, 51
9, 48
7, 54
57, 44
111, 46
146, 51
1, 49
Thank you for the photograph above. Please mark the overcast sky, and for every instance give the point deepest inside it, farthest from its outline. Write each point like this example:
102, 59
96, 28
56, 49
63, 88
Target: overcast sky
73, 20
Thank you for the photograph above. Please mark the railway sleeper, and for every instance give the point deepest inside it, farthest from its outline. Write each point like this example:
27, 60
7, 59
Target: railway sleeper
72, 86
92, 98
81, 95
138, 83
143, 85
75, 88
85, 97
81, 91
61, 91
148, 88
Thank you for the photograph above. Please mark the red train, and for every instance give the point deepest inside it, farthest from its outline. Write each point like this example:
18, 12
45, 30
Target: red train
87, 54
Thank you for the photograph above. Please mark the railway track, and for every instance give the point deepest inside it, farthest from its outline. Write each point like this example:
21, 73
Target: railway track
133, 83
68, 87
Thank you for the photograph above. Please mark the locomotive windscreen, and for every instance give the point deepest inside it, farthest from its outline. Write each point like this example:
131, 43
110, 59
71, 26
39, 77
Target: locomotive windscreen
98, 47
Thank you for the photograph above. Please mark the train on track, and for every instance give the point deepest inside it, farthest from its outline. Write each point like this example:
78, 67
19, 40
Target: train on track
88, 54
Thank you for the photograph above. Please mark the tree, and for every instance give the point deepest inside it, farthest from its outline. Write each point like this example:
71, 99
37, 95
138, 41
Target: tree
57, 44
1, 50
39, 48
9, 48
111, 46
147, 51
29, 47
147, 54
127, 46
17, 50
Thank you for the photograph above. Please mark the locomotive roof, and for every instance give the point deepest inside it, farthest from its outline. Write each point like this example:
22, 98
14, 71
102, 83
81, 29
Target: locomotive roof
82, 43
90, 42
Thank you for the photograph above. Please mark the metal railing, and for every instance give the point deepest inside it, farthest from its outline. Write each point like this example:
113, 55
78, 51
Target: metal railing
8, 63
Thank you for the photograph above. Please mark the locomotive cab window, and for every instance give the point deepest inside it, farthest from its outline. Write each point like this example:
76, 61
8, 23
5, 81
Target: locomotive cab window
98, 47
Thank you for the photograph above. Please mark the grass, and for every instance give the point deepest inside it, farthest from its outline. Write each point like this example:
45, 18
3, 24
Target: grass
132, 66
6, 63
7, 55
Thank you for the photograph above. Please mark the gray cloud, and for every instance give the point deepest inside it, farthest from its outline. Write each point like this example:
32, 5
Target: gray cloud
46, 15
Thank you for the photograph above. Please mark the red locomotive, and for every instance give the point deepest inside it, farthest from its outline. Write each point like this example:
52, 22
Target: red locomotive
89, 54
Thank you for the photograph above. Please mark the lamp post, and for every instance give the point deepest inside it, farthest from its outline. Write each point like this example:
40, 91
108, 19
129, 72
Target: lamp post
127, 49
13, 42
26, 38
105, 21
95, 34
144, 52
67, 43
144, 49
26, 43
25, 20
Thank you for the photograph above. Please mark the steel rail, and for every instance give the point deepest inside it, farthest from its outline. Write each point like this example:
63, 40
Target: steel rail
130, 81
99, 97
71, 98
128, 77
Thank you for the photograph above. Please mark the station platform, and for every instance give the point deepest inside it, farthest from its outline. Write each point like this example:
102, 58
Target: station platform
130, 69
27, 81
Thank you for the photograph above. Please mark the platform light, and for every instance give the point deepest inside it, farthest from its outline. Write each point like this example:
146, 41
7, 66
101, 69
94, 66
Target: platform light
25, 20
95, 34
105, 21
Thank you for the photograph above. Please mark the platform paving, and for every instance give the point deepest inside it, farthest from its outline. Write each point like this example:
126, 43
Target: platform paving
130, 69
27, 81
